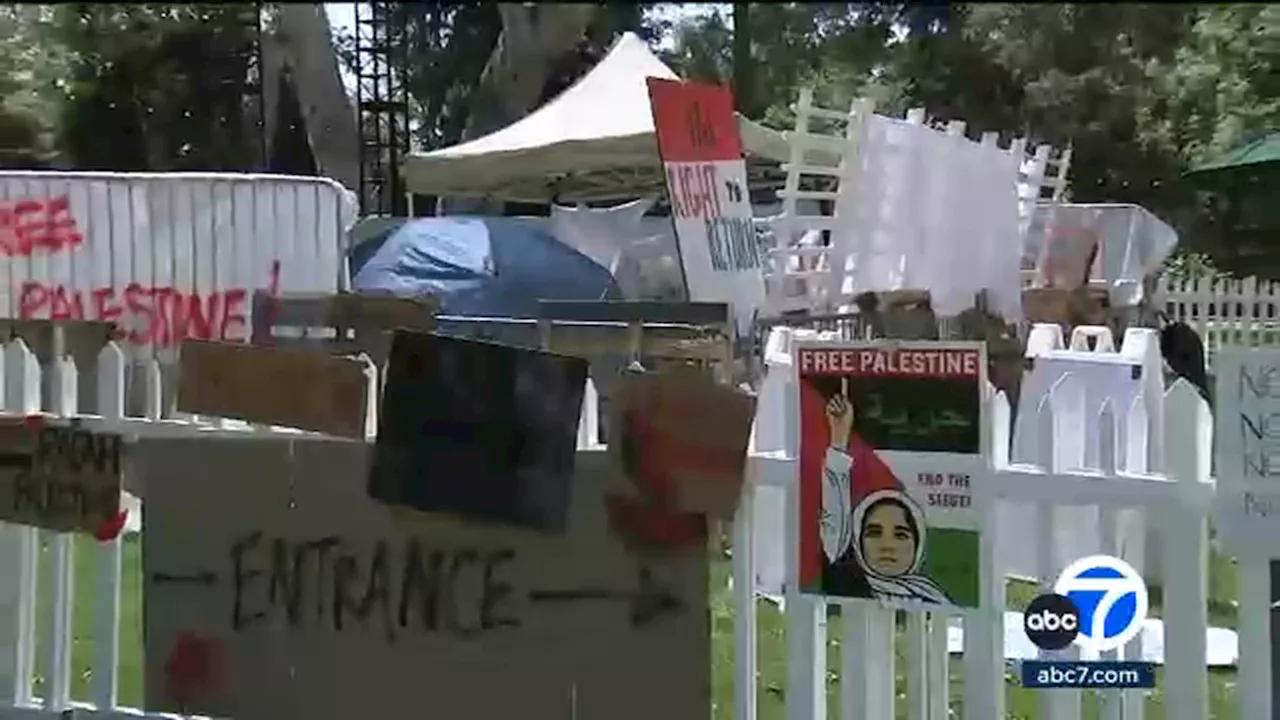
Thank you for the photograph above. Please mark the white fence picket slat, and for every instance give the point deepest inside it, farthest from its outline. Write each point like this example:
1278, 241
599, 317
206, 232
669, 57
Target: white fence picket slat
1186, 554
916, 654
938, 670
20, 546
106, 631
57, 696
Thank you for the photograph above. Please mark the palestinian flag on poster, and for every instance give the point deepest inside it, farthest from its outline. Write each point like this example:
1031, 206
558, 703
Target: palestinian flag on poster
889, 451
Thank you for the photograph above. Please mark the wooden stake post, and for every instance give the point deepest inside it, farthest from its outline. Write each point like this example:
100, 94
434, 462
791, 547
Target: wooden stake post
698, 332
348, 323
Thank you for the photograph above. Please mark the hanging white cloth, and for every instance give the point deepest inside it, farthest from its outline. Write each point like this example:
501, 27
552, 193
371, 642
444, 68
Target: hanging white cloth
920, 209
599, 233
616, 238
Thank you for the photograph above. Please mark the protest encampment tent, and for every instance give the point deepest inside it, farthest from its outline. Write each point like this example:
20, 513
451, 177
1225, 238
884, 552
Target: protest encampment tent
593, 141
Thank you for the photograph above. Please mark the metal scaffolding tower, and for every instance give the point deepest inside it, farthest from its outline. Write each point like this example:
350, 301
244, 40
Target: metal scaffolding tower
382, 106
255, 82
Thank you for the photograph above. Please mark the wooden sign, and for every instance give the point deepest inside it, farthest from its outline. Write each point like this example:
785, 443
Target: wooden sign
274, 585
348, 323
686, 432
701, 152
274, 386
59, 477
890, 454
484, 431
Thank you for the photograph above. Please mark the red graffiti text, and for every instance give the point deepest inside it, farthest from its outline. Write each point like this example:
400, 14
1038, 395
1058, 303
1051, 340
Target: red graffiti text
148, 314
37, 224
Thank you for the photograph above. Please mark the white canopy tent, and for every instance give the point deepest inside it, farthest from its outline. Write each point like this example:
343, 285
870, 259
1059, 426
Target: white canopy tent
593, 141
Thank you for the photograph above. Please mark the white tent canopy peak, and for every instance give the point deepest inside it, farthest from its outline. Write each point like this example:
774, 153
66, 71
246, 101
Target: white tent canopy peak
596, 134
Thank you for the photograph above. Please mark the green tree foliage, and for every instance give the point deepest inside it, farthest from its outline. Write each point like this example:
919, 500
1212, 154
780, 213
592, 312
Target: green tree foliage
32, 68
1141, 92
1219, 90
1221, 85
158, 86
838, 49
444, 52
1082, 70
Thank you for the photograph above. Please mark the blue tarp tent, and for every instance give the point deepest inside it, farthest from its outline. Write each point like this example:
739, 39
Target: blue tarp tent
477, 266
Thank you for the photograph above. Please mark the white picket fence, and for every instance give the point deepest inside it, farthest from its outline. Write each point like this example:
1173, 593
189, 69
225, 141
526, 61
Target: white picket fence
1225, 312
1176, 501
31, 592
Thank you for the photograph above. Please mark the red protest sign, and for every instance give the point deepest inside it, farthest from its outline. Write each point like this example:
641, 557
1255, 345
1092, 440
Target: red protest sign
694, 122
683, 440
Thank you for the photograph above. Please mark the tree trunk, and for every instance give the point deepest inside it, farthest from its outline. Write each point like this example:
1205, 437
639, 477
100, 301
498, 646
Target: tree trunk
307, 46
270, 70
743, 82
533, 38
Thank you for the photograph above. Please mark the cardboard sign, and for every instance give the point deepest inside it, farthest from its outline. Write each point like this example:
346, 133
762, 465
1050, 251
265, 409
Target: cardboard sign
686, 432
274, 585
56, 477
710, 205
1081, 306
890, 451
274, 386
1247, 448
484, 431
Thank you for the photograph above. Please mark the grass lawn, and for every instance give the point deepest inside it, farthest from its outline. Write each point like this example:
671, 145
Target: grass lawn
772, 661
131, 670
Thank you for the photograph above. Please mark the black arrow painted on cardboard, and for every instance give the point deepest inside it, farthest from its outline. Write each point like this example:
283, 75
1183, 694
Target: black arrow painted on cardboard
649, 601
206, 579
16, 460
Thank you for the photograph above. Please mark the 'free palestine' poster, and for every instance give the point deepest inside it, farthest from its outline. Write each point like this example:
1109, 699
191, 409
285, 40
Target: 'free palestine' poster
890, 445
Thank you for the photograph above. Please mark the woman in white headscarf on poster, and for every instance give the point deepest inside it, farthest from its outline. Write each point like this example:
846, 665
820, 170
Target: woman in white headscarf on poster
890, 548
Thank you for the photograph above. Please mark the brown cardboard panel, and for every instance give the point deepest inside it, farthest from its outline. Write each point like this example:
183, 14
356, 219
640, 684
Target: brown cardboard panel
274, 386
485, 620
59, 477
1066, 307
690, 428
